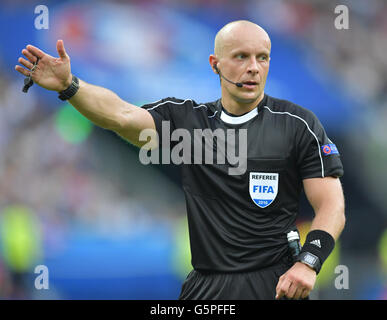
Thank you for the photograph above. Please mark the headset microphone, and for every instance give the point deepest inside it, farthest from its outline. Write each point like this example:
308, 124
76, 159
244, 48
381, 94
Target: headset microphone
238, 84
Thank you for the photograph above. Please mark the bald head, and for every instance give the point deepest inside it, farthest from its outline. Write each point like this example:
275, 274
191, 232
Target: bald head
241, 56
237, 31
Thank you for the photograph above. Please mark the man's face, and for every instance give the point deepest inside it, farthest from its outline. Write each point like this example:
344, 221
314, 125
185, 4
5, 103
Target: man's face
244, 57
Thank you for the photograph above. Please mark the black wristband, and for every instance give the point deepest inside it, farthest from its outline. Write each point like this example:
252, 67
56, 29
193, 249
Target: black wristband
320, 244
71, 90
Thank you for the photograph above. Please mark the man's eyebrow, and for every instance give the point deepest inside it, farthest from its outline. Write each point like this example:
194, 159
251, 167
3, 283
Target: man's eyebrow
264, 51
239, 51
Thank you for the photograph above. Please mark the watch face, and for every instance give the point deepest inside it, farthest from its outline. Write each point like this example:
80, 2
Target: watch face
310, 259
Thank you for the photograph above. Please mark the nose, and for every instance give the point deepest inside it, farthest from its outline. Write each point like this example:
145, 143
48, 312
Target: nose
253, 66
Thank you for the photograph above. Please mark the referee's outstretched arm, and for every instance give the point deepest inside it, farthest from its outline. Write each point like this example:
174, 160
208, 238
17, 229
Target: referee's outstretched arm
327, 199
101, 106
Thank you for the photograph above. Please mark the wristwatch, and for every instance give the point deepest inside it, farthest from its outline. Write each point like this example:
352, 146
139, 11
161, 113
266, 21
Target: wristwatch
71, 90
310, 260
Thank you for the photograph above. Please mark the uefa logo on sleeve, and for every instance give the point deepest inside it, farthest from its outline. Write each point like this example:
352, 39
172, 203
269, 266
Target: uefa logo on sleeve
263, 188
329, 149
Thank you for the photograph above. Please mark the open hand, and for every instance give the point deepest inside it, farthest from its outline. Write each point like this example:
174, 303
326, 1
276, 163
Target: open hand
50, 73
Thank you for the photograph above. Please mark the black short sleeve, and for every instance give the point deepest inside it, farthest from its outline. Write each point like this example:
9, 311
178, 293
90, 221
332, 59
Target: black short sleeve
317, 155
170, 110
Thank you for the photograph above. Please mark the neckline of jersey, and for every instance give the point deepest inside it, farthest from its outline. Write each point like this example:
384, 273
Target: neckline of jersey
233, 119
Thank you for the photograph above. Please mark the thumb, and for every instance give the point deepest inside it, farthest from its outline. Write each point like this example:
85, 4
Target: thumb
61, 49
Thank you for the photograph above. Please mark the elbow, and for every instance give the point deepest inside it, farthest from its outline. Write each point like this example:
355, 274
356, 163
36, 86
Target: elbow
344, 220
341, 213
119, 118
121, 122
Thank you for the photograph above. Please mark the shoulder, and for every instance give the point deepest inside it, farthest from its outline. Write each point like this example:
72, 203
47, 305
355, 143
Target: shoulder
182, 107
173, 102
291, 110
167, 102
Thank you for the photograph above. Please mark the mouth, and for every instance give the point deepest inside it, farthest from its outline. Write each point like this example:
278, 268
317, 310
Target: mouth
250, 84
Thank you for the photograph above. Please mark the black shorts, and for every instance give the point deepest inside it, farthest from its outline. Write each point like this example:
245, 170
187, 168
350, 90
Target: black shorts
254, 285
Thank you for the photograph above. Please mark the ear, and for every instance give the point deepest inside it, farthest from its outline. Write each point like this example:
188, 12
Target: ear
214, 62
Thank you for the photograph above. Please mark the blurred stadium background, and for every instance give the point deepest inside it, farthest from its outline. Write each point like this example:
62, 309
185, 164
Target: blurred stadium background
75, 198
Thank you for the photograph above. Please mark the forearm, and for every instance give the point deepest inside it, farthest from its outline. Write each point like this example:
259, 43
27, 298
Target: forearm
330, 219
100, 105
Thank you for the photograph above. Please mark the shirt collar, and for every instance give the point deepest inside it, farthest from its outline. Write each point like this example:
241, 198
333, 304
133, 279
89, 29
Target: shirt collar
233, 119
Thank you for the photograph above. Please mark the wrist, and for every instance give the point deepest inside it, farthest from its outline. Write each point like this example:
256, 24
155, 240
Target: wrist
310, 261
66, 83
317, 247
71, 90
306, 266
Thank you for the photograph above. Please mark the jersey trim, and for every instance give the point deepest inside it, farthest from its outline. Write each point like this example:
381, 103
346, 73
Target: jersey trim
180, 103
168, 101
238, 120
318, 144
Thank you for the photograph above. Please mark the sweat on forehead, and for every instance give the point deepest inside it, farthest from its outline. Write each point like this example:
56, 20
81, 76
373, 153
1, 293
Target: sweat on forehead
237, 29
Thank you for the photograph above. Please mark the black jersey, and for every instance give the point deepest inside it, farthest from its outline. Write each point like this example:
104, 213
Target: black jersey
238, 222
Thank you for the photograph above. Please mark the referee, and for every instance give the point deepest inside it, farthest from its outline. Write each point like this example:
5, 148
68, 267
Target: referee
238, 223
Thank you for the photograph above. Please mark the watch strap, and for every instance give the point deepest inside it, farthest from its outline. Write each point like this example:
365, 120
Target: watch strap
71, 90
310, 260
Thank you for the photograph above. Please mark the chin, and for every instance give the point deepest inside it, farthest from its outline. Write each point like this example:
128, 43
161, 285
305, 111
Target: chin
247, 99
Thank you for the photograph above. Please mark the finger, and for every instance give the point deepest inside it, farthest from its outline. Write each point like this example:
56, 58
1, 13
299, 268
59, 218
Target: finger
298, 293
29, 56
25, 63
61, 49
35, 51
305, 294
278, 288
283, 288
291, 291
23, 71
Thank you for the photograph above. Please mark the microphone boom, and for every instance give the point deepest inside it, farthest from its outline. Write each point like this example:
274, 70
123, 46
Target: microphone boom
238, 84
